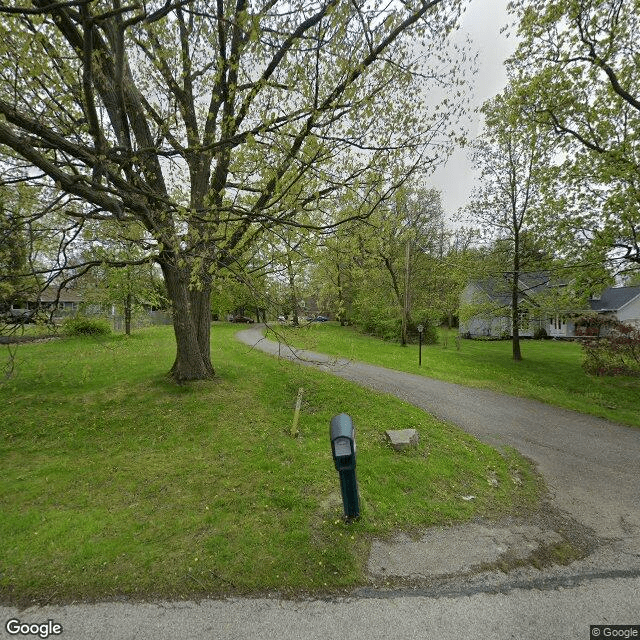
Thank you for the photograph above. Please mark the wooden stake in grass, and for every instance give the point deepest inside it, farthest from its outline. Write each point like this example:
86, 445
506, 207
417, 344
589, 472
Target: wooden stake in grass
296, 415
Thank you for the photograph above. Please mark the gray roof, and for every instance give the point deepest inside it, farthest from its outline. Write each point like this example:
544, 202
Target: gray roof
53, 293
614, 298
499, 288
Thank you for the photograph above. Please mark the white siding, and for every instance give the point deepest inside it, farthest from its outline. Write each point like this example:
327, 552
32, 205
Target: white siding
630, 312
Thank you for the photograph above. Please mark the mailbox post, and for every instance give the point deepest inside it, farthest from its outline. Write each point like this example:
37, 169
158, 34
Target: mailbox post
343, 448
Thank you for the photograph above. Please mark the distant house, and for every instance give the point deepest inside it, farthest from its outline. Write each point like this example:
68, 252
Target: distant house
622, 303
486, 307
60, 301
66, 300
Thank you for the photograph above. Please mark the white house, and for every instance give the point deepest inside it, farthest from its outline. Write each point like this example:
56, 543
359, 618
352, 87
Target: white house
486, 307
622, 303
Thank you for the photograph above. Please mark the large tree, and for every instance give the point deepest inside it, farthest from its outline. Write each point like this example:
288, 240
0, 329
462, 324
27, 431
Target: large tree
208, 124
577, 70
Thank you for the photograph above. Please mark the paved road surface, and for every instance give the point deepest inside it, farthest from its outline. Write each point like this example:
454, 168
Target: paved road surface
592, 469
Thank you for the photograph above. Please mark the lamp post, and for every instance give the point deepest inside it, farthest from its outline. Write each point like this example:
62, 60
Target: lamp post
420, 330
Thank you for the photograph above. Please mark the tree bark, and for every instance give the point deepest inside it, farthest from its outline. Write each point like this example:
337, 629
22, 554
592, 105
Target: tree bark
406, 301
292, 292
515, 292
127, 314
201, 312
341, 311
191, 312
515, 320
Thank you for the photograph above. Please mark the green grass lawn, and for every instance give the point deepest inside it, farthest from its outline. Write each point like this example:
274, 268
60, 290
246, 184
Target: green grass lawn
117, 482
550, 371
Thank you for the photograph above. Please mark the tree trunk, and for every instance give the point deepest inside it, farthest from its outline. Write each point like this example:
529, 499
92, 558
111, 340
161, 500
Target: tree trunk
515, 320
515, 293
201, 312
191, 324
406, 301
127, 314
292, 292
341, 310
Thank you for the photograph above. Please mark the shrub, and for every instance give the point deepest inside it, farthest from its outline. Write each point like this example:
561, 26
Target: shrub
615, 352
430, 333
540, 333
83, 326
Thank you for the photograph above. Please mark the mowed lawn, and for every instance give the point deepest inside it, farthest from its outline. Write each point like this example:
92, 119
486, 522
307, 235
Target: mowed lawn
550, 371
117, 482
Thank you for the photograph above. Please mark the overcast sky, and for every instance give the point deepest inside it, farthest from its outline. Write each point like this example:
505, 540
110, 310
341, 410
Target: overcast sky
483, 21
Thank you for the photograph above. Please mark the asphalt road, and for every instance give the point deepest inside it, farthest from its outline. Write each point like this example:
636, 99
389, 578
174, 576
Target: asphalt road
591, 467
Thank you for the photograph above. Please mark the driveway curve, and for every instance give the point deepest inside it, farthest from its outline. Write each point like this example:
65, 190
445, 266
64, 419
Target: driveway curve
591, 466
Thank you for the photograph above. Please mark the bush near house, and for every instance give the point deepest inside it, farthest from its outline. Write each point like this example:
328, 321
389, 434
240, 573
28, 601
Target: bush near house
610, 347
540, 333
430, 332
83, 326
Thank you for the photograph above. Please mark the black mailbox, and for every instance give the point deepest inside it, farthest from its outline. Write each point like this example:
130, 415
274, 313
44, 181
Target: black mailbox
343, 448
